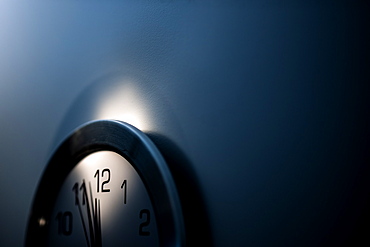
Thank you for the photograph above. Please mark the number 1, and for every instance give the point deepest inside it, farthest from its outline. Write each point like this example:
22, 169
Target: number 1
124, 187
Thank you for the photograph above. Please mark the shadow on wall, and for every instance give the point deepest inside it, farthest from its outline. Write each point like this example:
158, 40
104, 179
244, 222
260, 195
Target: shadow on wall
197, 226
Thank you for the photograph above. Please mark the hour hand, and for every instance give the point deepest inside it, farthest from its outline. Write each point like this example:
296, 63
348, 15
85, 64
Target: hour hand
78, 204
94, 218
90, 208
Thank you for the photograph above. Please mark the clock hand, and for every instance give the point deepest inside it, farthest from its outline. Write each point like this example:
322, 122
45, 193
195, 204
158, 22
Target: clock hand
77, 202
93, 215
85, 200
96, 220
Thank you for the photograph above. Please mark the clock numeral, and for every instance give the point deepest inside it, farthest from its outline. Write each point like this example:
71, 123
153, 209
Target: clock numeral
97, 174
144, 213
124, 187
65, 223
84, 193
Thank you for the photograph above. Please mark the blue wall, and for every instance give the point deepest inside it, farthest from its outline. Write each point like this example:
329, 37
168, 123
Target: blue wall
262, 109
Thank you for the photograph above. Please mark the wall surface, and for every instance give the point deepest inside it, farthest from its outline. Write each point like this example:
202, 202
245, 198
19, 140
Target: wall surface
260, 108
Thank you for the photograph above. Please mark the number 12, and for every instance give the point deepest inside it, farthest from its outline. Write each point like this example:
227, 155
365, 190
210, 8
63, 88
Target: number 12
106, 170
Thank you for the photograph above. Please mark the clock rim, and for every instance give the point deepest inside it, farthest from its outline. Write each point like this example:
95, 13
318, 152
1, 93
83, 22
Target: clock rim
134, 146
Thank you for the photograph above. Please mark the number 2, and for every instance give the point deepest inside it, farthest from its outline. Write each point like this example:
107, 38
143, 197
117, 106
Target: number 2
146, 223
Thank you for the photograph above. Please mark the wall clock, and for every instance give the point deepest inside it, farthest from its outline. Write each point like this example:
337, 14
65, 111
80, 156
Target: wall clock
106, 185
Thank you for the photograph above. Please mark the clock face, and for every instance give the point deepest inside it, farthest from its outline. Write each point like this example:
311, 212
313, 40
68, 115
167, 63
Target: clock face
102, 202
106, 185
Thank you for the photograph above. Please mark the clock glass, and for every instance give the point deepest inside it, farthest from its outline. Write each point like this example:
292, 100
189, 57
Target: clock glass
102, 201
106, 185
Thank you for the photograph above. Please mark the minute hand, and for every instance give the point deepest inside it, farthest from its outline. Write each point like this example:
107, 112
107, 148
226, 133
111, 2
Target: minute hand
78, 204
96, 220
94, 213
92, 207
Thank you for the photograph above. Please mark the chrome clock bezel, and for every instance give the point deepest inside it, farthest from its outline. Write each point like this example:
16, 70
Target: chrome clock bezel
140, 152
